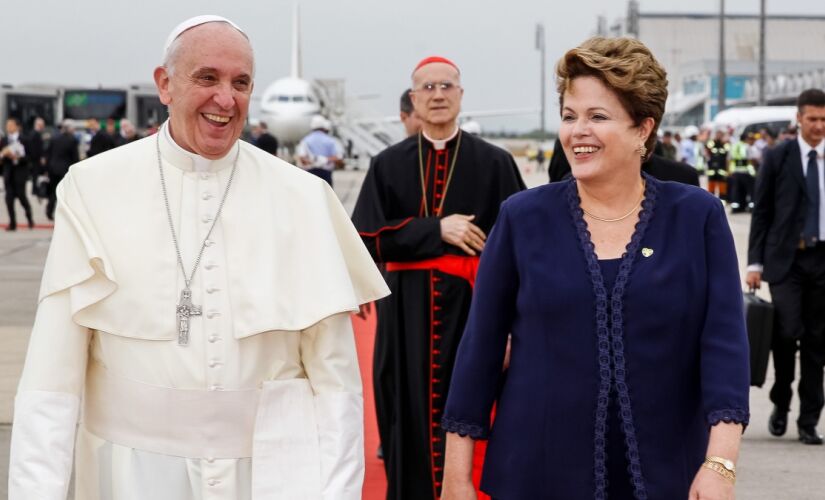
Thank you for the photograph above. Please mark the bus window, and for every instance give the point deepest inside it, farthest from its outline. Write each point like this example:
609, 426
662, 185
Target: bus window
150, 111
27, 107
98, 104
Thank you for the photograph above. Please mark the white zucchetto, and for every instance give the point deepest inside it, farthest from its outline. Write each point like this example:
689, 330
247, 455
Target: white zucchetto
191, 23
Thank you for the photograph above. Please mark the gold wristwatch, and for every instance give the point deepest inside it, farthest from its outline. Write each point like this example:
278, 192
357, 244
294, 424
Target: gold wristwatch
722, 466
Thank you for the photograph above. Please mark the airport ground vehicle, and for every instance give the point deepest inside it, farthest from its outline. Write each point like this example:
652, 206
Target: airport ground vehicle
138, 103
753, 119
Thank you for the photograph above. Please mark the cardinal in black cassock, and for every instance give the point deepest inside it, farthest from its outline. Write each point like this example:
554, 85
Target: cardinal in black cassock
410, 189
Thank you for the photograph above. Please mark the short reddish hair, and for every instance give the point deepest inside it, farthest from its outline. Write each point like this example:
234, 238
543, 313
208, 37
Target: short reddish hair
627, 67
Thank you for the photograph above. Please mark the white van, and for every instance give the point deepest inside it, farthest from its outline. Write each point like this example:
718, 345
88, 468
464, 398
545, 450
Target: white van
753, 119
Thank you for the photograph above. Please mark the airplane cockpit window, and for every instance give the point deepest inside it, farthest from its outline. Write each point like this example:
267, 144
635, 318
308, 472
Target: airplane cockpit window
288, 98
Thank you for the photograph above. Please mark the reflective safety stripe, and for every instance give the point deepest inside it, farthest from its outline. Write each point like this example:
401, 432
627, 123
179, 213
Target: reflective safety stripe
721, 172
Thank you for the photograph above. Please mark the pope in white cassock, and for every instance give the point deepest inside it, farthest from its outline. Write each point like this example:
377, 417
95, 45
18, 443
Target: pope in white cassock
194, 312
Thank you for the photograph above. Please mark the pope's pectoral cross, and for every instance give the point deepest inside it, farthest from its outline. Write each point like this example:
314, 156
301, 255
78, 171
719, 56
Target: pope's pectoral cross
185, 310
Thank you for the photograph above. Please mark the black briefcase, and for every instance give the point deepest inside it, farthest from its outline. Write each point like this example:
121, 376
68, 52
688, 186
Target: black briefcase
41, 188
759, 320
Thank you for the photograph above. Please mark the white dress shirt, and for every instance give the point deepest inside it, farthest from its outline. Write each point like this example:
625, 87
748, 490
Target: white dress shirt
805, 149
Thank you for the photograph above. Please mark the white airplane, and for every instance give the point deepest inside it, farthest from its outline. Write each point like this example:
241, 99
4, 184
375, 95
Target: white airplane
289, 104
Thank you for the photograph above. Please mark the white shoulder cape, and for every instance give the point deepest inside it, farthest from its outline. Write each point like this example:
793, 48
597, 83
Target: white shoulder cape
293, 256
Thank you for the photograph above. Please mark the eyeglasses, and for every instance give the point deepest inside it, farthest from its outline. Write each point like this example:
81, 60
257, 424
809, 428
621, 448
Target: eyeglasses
431, 87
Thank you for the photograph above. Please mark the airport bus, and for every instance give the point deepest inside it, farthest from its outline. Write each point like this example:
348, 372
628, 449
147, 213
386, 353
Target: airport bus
28, 102
138, 103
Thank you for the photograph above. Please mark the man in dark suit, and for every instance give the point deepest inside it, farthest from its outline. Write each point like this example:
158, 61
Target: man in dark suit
35, 151
787, 249
16, 172
101, 142
265, 140
657, 166
62, 154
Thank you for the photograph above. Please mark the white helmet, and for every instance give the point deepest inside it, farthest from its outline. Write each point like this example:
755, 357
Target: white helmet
691, 130
318, 121
471, 127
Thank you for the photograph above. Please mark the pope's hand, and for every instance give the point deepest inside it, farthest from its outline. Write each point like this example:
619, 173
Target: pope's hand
457, 230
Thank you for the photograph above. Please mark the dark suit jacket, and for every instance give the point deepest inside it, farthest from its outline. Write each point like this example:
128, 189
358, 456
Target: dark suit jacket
101, 142
62, 154
34, 150
779, 211
17, 173
268, 143
660, 168
669, 170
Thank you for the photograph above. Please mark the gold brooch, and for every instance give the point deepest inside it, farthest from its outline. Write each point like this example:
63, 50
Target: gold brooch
647, 252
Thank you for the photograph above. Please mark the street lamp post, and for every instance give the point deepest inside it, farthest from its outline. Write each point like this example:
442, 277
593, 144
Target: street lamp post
540, 46
722, 76
762, 53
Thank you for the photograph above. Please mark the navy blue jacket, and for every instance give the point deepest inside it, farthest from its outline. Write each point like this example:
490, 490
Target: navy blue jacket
676, 356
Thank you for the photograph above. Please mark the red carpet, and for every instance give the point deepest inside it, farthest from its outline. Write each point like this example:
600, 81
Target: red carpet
375, 480
25, 226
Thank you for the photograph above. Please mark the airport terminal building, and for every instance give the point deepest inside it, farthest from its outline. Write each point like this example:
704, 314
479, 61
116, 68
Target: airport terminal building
687, 45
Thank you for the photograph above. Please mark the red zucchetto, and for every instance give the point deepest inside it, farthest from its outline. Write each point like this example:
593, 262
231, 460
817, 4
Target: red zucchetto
435, 59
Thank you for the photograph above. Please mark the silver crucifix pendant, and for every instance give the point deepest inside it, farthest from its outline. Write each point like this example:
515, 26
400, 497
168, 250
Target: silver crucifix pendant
185, 310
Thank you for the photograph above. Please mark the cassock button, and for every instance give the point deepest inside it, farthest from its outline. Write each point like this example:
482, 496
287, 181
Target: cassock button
215, 387
205, 177
208, 242
211, 460
210, 265
213, 363
212, 314
206, 219
206, 196
213, 482
211, 289
213, 338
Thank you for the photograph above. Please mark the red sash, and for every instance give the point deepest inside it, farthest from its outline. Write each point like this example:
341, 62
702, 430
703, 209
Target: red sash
456, 265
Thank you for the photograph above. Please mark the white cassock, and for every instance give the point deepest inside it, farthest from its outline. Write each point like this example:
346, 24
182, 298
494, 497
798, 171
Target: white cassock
265, 400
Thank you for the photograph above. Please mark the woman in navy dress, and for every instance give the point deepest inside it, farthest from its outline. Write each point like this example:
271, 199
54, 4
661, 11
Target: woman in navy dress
628, 375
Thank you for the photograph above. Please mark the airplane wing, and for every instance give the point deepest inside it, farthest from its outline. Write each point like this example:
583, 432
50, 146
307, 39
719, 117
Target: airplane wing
464, 115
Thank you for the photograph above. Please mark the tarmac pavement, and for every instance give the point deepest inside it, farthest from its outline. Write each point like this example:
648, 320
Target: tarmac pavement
769, 468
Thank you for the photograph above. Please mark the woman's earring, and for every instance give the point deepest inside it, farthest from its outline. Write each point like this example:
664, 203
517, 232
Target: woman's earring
642, 150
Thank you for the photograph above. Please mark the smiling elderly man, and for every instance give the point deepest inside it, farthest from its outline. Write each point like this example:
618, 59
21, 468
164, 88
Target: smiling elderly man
424, 210
213, 349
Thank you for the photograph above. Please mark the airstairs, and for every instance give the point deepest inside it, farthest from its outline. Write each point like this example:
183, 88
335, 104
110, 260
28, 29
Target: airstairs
361, 133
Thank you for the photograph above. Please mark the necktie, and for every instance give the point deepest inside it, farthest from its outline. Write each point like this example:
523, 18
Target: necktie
811, 232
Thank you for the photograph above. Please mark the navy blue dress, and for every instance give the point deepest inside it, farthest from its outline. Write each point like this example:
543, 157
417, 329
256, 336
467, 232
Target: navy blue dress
660, 356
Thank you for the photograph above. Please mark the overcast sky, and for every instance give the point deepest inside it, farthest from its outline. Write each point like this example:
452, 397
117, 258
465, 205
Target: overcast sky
372, 44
